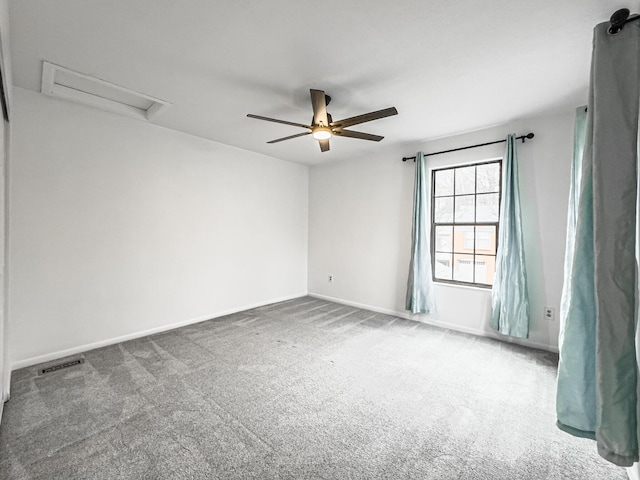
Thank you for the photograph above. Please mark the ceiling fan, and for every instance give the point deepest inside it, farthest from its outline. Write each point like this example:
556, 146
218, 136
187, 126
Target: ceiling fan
323, 127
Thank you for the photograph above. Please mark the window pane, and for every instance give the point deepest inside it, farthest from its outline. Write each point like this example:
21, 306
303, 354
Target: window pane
465, 209
444, 239
468, 240
443, 210
442, 268
463, 268
465, 180
463, 251
461, 235
488, 179
487, 207
486, 240
444, 183
485, 269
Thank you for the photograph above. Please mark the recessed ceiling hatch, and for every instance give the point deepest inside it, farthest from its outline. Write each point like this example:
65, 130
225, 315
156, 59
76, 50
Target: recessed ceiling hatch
63, 83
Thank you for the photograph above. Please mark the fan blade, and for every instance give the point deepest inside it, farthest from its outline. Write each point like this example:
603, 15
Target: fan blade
289, 137
360, 135
324, 145
319, 103
366, 117
250, 115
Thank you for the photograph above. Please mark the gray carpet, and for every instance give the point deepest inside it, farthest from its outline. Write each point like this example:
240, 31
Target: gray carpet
304, 389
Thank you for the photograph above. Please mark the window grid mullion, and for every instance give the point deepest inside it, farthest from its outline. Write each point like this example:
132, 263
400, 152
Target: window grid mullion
475, 218
453, 219
453, 230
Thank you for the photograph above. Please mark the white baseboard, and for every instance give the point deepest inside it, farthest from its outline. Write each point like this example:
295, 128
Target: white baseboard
6, 381
436, 323
27, 362
4, 390
110, 341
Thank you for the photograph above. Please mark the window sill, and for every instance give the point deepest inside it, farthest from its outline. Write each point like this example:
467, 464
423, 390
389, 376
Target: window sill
467, 287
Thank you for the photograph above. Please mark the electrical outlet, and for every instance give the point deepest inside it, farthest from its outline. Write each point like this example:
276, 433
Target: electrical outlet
549, 313
330, 278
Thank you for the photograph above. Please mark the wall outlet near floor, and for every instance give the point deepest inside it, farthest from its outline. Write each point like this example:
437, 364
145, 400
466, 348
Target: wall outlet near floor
549, 313
330, 278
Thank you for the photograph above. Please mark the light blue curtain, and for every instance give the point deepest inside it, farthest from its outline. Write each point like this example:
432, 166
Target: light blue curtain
598, 372
576, 390
420, 294
509, 297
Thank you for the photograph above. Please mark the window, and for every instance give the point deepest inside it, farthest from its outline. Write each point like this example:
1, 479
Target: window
465, 206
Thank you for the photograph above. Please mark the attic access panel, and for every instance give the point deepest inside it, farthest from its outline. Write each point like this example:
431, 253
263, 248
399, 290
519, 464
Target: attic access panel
60, 82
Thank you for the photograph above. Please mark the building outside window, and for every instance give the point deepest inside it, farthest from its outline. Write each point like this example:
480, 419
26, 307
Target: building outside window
464, 223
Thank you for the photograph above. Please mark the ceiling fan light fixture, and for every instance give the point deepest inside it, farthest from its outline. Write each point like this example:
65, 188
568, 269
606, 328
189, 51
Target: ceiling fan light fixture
322, 133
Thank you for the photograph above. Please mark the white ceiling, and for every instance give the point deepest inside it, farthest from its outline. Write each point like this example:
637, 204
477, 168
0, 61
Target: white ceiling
448, 67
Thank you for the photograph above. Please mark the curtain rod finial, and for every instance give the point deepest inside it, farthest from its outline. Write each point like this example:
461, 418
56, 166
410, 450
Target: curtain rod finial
618, 20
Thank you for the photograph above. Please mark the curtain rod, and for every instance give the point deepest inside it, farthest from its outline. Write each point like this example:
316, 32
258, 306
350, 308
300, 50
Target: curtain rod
523, 137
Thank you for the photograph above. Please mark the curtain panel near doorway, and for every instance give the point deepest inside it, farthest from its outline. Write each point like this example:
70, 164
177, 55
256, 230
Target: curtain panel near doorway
509, 297
420, 294
598, 371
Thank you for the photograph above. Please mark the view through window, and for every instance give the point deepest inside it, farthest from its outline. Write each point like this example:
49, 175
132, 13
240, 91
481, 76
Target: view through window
465, 206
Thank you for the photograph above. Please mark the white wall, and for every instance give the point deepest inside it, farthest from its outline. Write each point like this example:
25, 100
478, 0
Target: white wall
5, 371
360, 226
5, 59
118, 227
